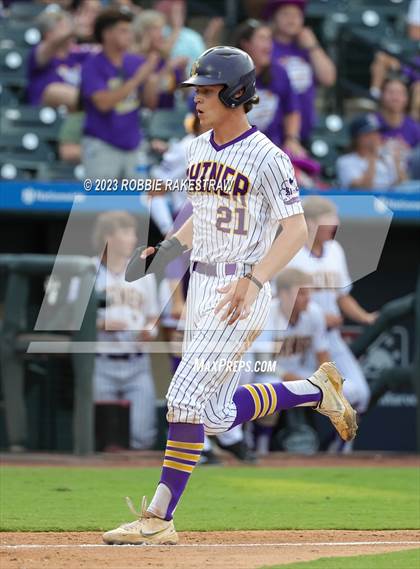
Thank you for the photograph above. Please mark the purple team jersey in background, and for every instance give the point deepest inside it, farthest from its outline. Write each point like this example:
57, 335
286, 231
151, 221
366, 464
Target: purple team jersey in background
297, 63
277, 99
119, 127
57, 70
408, 130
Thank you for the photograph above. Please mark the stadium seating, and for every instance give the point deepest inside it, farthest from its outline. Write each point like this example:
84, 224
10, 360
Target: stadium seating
60, 171
25, 11
19, 35
45, 122
351, 31
24, 151
13, 66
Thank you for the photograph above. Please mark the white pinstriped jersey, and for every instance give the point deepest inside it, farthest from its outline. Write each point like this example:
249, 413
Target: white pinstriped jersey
238, 223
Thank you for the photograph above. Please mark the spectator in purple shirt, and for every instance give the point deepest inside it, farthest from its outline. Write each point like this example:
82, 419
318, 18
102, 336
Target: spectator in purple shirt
54, 64
393, 118
297, 49
148, 29
112, 82
277, 113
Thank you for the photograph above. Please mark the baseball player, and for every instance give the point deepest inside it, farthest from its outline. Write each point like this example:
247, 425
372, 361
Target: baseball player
241, 187
295, 335
325, 260
131, 308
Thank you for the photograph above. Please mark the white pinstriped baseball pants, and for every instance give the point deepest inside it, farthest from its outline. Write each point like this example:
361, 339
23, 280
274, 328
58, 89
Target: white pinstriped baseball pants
198, 395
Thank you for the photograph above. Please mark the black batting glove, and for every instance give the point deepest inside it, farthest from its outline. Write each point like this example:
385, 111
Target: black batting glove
164, 252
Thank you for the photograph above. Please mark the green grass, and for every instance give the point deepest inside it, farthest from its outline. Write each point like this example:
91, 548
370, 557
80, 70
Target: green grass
409, 559
54, 499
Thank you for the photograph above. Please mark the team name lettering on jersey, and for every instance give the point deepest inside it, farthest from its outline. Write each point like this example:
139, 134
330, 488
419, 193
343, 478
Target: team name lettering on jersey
215, 177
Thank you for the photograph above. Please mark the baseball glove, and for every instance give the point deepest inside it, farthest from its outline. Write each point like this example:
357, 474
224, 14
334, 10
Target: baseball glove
165, 252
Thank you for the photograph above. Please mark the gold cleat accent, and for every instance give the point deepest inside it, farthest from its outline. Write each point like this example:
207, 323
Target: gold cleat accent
333, 404
143, 531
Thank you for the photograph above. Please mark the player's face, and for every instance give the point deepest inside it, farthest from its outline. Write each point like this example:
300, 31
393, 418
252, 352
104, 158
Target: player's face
260, 46
123, 241
289, 20
210, 109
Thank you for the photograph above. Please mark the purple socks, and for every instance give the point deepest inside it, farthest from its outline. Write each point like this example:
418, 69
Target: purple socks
186, 440
257, 400
183, 450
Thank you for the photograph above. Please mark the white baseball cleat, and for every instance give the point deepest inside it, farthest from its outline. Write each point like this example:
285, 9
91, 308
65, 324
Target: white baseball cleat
143, 531
333, 403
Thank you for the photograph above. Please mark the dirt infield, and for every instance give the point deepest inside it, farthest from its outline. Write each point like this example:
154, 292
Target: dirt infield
144, 459
212, 550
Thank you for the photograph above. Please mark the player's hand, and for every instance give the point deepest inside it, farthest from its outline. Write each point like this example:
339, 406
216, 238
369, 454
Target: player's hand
239, 296
147, 252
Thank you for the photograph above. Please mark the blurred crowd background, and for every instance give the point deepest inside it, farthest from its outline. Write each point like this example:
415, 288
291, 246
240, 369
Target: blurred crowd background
339, 84
88, 90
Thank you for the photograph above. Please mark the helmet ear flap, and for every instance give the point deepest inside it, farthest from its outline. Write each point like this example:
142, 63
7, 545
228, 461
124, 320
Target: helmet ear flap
227, 94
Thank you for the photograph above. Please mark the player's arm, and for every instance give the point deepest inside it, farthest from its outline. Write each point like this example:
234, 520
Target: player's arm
240, 295
292, 238
352, 309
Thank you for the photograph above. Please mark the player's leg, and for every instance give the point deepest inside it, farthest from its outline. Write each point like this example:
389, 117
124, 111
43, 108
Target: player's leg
323, 391
209, 348
185, 440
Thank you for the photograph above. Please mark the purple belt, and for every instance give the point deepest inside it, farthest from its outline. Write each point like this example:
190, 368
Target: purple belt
210, 269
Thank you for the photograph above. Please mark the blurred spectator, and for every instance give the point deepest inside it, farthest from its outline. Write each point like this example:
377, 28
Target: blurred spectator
384, 66
85, 13
148, 30
70, 137
325, 260
298, 50
413, 20
295, 336
129, 317
276, 114
371, 165
54, 64
112, 82
185, 41
394, 122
